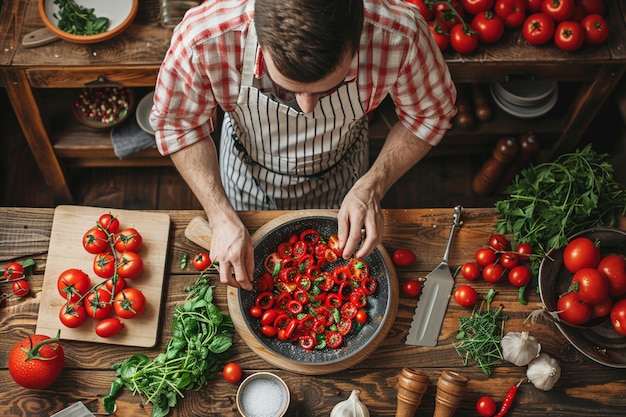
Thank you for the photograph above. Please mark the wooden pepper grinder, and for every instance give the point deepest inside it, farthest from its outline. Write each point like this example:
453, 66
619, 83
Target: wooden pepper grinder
450, 390
411, 388
492, 171
528, 146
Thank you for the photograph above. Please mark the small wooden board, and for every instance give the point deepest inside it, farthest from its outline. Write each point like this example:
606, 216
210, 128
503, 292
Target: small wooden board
66, 251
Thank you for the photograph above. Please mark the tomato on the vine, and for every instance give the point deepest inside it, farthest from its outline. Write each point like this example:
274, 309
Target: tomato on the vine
97, 303
559, 10
499, 242
591, 6
442, 39
20, 288
486, 406
485, 256
470, 271
73, 284
425, 10
128, 239
120, 284
109, 222
95, 241
534, 5
104, 265
519, 275
465, 296
493, 272
538, 28
201, 261
403, 257
129, 303
477, 6
72, 315
512, 12
596, 29
509, 260
411, 288
130, 264
463, 39
13, 271
523, 251
488, 26
581, 253
569, 36
232, 372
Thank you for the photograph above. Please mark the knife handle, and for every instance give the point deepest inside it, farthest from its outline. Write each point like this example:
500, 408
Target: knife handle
456, 221
199, 232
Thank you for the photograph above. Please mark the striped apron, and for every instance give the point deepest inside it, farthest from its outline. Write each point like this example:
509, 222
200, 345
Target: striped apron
272, 156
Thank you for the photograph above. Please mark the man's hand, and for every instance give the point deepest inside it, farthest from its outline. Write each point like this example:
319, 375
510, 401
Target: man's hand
231, 246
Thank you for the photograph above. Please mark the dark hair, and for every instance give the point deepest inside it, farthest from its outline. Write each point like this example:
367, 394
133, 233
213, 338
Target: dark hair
308, 39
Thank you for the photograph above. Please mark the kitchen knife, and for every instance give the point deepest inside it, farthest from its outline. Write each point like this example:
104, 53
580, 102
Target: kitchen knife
433, 302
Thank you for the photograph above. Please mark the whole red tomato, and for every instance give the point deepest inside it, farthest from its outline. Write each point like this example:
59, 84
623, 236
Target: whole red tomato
486, 406
425, 11
36, 361
109, 223
603, 308
109, 327
13, 271
477, 6
512, 12
95, 241
485, 256
72, 315
591, 6
73, 284
613, 268
524, 250
130, 264
20, 288
104, 265
411, 288
534, 5
493, 272
538, 28
572, 310
581, 253
618, 316
499, 242
590, 285
463, 40
442, 39
519, 276
465, 296
470, 270
448, 15
569, 36
129, 303
403, 257
232, 372
596, 29
201, 261
509, 260
489, 26
98, 303
128, 239
559, 10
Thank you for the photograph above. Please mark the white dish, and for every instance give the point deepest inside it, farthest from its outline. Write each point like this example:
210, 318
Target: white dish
525, 112
143, 113
526, 93
263, 394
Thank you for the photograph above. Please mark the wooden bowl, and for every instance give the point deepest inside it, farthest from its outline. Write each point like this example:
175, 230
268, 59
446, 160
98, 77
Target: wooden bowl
119, 12
103, 96
382, 306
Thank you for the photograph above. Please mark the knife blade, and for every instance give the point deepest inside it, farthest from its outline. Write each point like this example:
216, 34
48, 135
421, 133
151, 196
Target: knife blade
433, 302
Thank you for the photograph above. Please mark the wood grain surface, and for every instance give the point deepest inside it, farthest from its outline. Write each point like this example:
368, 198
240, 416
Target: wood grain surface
584, 389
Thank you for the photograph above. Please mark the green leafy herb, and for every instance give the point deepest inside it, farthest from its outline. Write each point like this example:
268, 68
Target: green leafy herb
480, 335
79, 20
183, 262
201, 337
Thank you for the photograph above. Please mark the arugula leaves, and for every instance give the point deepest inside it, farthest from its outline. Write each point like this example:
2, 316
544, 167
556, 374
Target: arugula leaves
79, 20
201, 337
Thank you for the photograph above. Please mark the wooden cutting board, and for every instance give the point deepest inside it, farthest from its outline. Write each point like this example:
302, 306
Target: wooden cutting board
66, 251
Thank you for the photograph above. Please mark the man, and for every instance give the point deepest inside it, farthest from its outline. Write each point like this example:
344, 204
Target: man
296, 79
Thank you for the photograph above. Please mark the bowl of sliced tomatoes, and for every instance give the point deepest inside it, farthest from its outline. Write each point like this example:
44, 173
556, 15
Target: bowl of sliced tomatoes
311, 311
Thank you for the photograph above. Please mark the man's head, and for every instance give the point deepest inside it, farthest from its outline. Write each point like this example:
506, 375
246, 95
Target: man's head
308, 39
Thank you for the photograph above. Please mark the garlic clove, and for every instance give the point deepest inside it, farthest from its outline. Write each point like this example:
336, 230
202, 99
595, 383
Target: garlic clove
519, 348
352, 407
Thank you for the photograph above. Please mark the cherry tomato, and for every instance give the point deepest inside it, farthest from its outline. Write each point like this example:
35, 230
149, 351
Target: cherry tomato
120, 284
572, 310
411, 288
95, 241
489, 26
72, 315
485, 256
509, 260
613, 268
596, 29
590, 285
256, 312
232, 372
512, 12
477, 6
523, 251
104, 265
129, 303
569, 36
20, 288
109, 327
130, 264
463, 40
486, 406
361, 316
591, 6
618, 317
403, 257
519, 275
442, 39
109, 222
581, 253
128, 239
465, 296
534, 5
201, 261
559, 10
470, 270
603, 308
14, 271
268, 330
493, 272
73, 284
425, 11
538, 28
499, 242
97, 303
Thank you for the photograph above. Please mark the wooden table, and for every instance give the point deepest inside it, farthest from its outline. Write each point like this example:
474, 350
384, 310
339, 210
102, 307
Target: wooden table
585, 388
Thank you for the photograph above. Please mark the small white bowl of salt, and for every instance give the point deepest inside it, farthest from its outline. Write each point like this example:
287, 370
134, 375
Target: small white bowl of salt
263, 394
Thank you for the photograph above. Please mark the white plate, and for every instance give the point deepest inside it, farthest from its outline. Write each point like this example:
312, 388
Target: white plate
526, 93
143, 113
524, 112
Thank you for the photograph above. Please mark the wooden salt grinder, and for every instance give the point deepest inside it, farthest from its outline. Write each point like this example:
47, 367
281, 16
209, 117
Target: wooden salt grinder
492, 171
411, 388
528, 146
450, 390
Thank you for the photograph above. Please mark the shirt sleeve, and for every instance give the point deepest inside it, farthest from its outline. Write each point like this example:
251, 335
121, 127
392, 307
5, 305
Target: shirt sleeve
424, 94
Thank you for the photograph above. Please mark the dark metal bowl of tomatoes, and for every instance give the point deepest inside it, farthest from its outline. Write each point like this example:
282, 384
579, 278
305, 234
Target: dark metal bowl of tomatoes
580, 285
311, 311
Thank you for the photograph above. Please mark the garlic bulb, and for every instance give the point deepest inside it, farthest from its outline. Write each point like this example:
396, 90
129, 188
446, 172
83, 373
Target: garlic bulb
543, 372
519, 348
352, 407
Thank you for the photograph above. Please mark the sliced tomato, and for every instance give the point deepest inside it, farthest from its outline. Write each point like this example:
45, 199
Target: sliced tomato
344, 326
342, 274
310, 236
265, 300
273, 263
285, 250
348, 310
299, 248
307, 342
333, 339
369, 285
265, 282
333, 301
333, 244
359, 269
294, 307
282, 301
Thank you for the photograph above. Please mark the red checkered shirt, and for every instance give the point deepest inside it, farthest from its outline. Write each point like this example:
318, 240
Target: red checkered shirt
202, 70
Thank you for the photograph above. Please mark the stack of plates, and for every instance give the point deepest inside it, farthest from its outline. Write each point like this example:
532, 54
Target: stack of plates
525, 99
